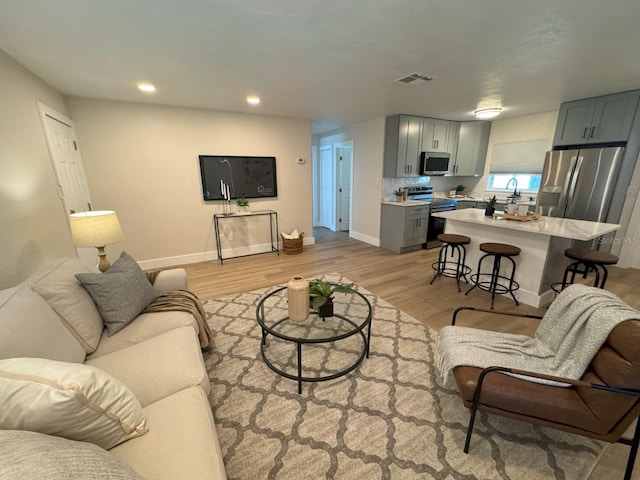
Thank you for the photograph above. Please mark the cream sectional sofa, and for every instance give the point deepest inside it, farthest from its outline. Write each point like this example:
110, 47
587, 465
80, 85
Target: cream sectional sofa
157, 357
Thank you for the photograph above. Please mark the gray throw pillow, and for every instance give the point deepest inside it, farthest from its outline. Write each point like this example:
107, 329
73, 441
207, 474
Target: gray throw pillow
120, 293
36, 456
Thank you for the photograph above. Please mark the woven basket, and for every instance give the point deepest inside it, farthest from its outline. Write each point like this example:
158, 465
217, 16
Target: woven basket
291, 246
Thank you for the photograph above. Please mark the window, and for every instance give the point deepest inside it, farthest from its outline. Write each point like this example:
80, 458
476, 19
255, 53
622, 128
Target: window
527, 182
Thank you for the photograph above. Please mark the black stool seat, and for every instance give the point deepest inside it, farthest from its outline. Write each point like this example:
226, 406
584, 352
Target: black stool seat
591, 256
584, 262
503, 249
454, 246
454, 239
494, 282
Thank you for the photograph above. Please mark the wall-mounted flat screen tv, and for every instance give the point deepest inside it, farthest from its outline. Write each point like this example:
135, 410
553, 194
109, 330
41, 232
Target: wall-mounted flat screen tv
248, 177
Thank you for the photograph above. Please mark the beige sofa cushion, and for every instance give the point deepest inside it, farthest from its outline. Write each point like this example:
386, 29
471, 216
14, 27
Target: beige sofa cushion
30, 328
70, 400
35, 456
62, 291
182, 437
145, 326
164, 365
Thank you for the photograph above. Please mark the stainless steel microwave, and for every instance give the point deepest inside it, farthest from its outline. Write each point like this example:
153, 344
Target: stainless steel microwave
434, 163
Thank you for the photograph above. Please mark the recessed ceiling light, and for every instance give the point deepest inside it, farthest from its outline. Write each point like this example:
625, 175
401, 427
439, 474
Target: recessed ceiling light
253, 100
488, 112
146, 87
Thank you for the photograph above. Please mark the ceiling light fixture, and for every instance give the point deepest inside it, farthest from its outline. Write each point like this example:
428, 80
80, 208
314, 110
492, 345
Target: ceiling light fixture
488, 112
146, 87
253, 100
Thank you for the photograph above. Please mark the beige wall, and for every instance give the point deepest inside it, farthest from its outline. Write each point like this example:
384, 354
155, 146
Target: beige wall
142, 161
367, 157
33, 227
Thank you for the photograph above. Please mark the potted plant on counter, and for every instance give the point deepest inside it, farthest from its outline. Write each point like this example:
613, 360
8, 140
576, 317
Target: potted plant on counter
490, 206
321, 293
399, 194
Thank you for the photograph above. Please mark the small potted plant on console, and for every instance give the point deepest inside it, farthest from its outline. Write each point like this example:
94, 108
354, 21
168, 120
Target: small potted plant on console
243, 205
321, 294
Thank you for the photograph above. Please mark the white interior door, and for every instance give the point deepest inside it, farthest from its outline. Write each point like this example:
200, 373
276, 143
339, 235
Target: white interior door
327, 187
72, 187
343, 157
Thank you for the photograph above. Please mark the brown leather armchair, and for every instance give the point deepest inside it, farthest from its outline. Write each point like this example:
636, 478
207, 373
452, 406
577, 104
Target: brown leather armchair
601, 405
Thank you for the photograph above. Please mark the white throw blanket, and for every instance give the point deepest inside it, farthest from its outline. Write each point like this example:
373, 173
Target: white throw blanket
572, 331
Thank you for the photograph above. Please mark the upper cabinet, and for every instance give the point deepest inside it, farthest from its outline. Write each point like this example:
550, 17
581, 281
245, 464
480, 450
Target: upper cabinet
406, 136
605, 119
471, 153
435, 135
402, 146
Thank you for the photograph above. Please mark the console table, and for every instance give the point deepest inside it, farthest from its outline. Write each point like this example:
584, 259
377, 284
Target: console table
273, 232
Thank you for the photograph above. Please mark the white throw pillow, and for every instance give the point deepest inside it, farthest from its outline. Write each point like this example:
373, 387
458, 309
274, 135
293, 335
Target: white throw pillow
35, 456
75, 401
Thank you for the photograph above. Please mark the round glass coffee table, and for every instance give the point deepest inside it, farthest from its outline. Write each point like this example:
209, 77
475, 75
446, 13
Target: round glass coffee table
334, 345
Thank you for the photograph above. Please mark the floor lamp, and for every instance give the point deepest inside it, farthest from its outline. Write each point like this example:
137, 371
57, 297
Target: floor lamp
96, 229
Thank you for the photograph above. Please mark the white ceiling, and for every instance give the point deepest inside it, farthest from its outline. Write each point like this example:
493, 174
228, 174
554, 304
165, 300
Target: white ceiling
331, 61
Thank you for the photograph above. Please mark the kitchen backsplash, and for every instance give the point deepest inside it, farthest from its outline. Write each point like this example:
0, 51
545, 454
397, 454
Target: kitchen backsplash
474, 186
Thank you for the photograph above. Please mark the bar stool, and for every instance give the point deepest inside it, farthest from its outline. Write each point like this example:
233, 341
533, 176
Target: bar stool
493, 284
585, 261
454, 245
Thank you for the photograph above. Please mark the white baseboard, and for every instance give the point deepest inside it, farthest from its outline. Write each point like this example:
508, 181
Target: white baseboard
178, 260
365, 238
212, 255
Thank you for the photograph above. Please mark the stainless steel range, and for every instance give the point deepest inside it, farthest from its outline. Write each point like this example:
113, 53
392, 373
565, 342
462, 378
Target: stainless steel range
436, 225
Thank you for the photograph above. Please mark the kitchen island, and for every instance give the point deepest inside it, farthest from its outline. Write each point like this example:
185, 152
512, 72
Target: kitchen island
543, 242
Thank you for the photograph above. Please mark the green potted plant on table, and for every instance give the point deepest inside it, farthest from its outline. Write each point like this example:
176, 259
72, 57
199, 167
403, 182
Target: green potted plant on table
490, 206
243, 204
321, 293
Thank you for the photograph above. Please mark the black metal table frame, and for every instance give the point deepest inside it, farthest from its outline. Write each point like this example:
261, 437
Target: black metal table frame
275, 246
358, 329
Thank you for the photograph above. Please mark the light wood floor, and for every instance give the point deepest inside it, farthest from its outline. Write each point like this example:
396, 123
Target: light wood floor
402, 280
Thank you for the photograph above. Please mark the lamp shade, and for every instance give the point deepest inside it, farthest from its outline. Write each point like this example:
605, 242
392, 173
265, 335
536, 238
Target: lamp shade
95, 229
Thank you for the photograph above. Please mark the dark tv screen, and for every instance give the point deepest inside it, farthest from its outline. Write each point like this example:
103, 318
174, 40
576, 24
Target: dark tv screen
248, 177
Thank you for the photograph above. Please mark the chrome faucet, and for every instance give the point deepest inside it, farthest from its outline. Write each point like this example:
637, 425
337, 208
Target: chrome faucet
516, 193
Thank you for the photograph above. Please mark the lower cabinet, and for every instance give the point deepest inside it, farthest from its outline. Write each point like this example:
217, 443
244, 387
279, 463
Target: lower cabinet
403, 229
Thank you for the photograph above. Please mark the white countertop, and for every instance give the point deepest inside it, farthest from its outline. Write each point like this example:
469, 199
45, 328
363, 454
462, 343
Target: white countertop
555, 227
408, 203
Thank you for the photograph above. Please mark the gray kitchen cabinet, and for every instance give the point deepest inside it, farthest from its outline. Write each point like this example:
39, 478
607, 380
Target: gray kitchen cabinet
471, 151
603, 119
402, 146
403, 229
435, 135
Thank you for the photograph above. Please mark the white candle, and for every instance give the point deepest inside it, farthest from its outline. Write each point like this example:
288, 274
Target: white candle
228, 195
221, 187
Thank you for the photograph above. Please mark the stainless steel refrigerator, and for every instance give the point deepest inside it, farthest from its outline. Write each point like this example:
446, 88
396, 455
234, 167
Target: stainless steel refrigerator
583, 184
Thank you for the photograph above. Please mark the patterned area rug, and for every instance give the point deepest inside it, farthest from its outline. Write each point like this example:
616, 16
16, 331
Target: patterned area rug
390, 418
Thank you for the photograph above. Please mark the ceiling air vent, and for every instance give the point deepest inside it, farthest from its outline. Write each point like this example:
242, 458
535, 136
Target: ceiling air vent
413, 79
